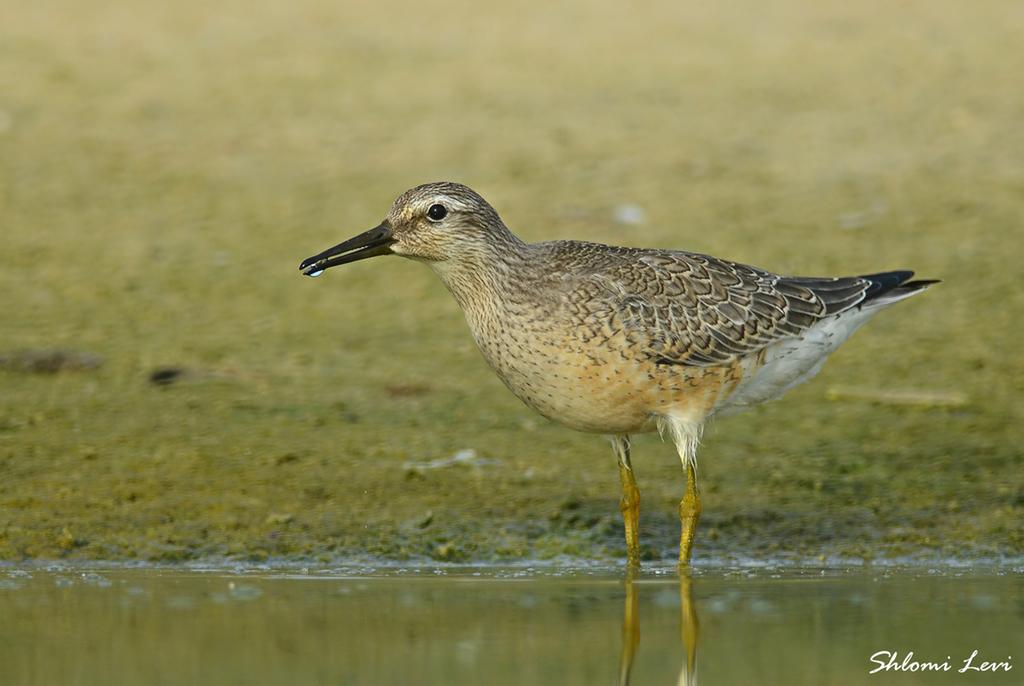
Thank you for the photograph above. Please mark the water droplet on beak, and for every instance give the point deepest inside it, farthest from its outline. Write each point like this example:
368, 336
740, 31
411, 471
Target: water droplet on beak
315, 274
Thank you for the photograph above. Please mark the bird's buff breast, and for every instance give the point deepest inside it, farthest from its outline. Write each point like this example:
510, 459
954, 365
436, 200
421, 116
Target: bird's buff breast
601, 389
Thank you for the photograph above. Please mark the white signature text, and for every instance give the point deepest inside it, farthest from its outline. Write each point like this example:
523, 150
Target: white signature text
889, 661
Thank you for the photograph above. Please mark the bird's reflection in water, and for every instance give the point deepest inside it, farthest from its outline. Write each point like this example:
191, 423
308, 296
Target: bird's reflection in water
689, 629
630, 631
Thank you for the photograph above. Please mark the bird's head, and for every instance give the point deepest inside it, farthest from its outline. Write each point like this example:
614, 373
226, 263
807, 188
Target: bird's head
435, 222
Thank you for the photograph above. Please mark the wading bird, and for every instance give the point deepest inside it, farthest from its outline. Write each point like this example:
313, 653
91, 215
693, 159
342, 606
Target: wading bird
620, 341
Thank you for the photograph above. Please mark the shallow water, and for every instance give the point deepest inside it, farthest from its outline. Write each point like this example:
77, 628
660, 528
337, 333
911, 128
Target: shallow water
503, 626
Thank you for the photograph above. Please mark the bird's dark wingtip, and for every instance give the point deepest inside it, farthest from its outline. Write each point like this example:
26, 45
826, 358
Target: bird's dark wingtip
883, 282
892, 286
896, 282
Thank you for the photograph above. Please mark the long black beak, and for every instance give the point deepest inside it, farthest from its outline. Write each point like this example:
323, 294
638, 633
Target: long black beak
376, 241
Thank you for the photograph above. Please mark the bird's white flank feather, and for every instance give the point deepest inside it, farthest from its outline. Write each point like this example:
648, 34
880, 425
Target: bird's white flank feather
793, 361
685, 434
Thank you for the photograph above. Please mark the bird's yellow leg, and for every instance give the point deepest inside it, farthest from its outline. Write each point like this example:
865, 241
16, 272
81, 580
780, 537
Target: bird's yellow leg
689, 513
629, 504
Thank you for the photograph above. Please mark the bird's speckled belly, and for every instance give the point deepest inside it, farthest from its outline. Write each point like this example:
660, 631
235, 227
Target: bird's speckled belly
602, 392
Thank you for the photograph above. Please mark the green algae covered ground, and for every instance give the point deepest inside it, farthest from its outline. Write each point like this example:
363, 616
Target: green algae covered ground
163, 169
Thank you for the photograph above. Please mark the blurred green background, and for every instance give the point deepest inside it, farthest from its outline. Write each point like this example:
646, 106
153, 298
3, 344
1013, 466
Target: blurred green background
165, 166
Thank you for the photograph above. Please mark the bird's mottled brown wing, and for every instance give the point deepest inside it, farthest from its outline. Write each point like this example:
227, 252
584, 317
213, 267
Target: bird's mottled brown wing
697, 310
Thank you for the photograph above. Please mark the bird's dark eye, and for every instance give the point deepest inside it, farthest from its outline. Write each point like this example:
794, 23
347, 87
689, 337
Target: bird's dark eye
437, 212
